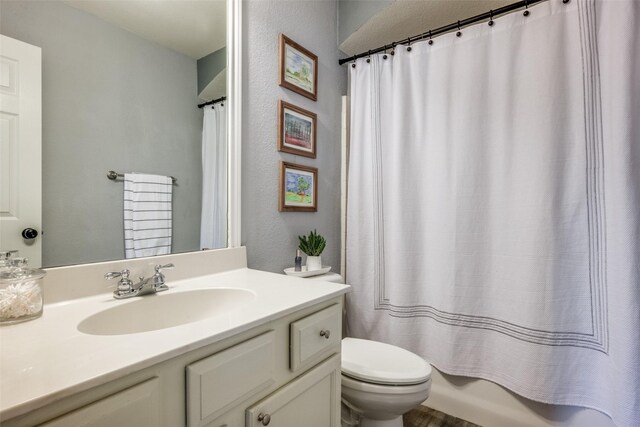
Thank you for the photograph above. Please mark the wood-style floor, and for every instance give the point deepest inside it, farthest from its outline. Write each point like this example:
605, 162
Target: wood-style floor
427, 417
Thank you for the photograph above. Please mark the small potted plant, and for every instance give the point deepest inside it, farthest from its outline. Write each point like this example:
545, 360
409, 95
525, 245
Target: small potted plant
312, 245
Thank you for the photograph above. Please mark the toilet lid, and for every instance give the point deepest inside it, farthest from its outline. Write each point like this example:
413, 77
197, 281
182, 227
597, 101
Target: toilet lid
380, 363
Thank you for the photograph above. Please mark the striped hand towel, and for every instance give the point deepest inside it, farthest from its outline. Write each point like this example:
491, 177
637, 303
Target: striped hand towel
147, 215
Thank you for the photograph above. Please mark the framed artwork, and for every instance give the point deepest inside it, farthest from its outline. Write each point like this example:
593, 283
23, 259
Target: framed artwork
298, 188
296, 130
298, 68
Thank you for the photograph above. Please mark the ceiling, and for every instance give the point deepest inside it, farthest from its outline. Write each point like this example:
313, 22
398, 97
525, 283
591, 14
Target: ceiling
405, 18
192, 27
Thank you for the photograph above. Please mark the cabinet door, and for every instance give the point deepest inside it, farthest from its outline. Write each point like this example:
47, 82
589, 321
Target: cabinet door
137, 406
313, 400
219, 382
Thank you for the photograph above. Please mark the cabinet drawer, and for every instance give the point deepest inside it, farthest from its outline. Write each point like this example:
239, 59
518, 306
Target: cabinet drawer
315, 336
224, 379
136, 406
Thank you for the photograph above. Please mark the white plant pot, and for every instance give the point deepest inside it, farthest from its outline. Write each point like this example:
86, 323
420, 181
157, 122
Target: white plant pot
314, 263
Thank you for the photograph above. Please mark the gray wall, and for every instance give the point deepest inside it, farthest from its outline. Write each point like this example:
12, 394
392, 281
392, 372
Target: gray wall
111, 100
352, 14
271, 236
210, 66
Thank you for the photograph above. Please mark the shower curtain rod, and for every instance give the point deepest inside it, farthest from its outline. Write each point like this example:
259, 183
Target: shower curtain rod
448, 28
215, 101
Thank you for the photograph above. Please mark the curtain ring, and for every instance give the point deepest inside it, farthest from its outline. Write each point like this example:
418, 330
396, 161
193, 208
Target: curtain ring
409, 46
526, 8
491, 18
393, 48
430, 39
385, 52
459, 33
369, 57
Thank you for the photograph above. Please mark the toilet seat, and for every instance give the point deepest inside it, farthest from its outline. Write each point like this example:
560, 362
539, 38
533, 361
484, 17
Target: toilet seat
384, 364
384, 389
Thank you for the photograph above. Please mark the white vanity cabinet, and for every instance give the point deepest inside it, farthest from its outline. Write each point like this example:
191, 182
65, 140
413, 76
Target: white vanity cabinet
283, 373
279, 391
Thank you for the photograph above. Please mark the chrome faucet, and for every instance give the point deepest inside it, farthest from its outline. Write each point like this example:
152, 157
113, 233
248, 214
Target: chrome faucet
150, 285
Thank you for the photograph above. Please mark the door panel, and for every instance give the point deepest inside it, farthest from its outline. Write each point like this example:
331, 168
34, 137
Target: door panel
20, 147
138, 406
312, 400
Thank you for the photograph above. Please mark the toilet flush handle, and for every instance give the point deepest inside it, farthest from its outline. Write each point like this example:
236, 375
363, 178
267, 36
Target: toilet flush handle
325, 333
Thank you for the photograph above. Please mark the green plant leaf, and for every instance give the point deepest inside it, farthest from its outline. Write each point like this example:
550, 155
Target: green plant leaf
313, 244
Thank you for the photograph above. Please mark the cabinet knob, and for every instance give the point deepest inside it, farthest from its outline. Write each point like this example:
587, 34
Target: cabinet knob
325, 333
264, 418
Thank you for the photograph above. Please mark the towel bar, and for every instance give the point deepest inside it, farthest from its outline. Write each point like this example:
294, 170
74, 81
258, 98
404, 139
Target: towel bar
113, 175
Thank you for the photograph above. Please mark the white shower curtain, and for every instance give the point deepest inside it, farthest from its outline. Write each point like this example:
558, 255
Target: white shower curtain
213, 227
494, 203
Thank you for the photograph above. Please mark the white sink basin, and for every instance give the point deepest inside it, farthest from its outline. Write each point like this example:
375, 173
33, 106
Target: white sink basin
165, 310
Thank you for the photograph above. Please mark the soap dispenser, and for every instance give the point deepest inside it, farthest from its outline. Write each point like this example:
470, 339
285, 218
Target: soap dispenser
298, 261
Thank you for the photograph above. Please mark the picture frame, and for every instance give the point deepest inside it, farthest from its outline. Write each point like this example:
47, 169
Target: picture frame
296, 130
298, 188
298, 68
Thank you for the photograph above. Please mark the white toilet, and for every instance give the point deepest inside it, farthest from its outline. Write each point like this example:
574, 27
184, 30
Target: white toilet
380, 382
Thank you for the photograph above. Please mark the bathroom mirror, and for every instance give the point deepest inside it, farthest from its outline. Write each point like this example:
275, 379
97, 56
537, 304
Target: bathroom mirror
121, 85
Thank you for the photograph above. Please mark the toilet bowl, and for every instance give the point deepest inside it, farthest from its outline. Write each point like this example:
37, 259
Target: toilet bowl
381, 382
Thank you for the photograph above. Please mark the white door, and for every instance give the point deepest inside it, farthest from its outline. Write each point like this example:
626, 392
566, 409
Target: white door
20, 148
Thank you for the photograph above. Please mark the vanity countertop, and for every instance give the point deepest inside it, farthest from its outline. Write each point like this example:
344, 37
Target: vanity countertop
46, 359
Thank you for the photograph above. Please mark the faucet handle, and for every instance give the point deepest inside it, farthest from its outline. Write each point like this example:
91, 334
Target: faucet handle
158, 278
164, 267
112, 275
125, 285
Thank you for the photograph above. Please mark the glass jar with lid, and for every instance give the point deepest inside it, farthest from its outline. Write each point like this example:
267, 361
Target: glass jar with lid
21, 296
